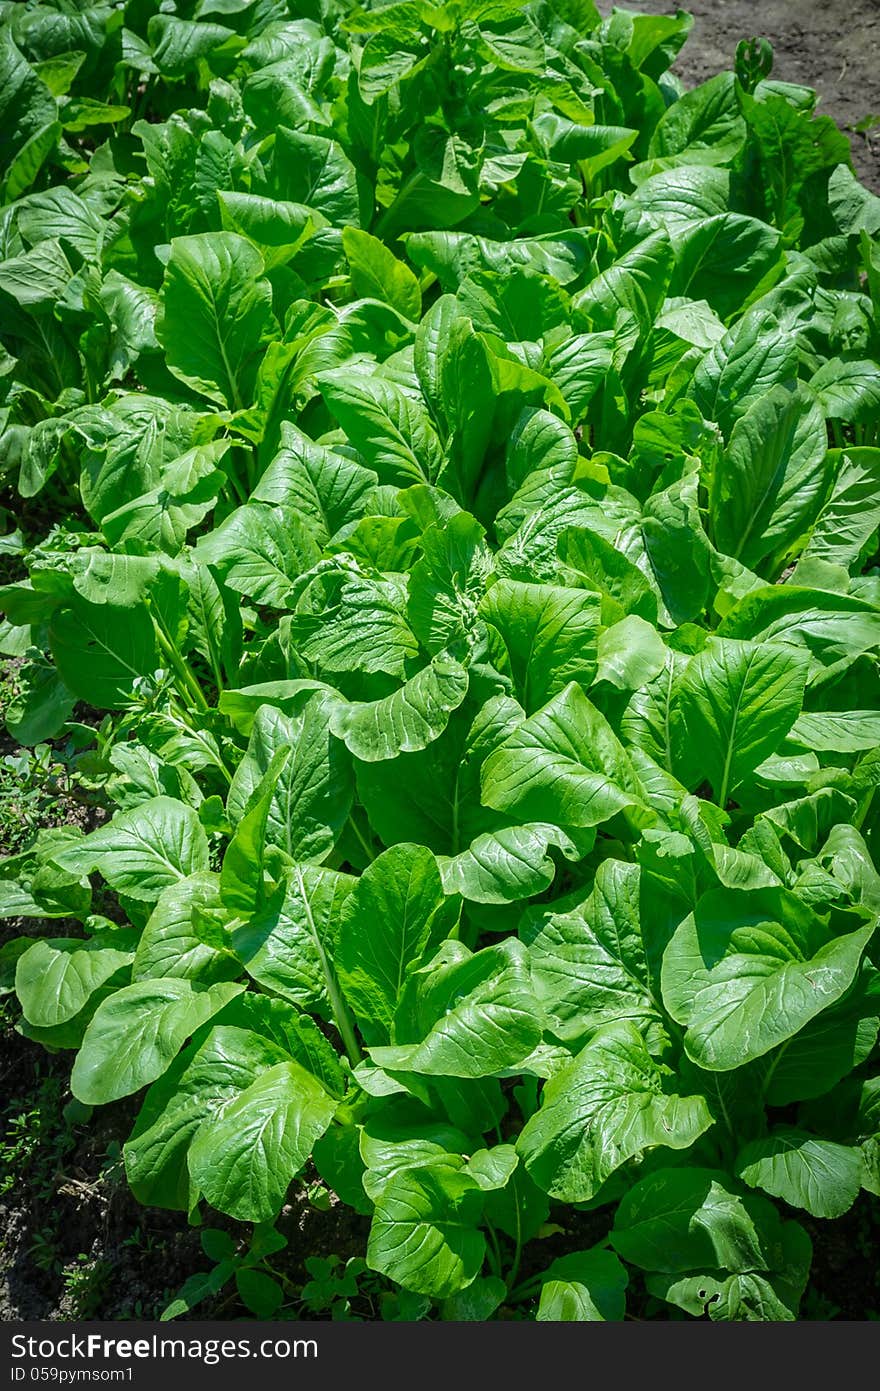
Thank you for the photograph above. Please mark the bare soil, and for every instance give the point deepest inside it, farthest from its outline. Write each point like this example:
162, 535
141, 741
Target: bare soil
832, 46
74, 1243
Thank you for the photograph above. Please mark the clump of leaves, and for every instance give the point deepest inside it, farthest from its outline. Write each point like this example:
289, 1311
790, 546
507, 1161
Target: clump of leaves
470, 452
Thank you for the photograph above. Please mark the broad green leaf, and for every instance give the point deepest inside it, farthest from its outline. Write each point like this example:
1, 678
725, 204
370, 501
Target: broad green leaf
637, 283
137, 1033
377, 274
259, 551
563, 765
851, 1114
180, 44
276, 227
583, 1287
55, 977
549, 635
746, 1298
731, 708
126, 444
506, 865
283, 74
831, 627
101, 650
794, 145
406, 721
60, 215
390, 429
447, 581
768, 487
724, 259
36, 278
433, 795
610, 1103
451, 255
313, 170
754, 356
325, 489
287, 943
747, 971
687, 194
668, 544
424, 1233
345, 621
142, 851
442, 189
850, 514
847, 857
399, 1139
807, 820
244, 1159
493, 1168
853, 206
513, 44
693, 1219
41, 706
703, 127
28, 114
176, 940
803, 1170
384, 62
243, 871
602, 568
470, 1017
187, 491
848, 391
591, 147
215, 626
312, 793
837, 731
589, 964
216, 315
630, 653
196, 1087
578, 367
477, 1302
395, 915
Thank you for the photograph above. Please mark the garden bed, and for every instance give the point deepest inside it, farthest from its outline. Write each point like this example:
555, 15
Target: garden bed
441, 476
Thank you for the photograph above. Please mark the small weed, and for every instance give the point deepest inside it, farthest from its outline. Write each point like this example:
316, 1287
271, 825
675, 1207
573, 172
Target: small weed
34, 1139
85, 1281
143, 1240
32, 786
350, 1291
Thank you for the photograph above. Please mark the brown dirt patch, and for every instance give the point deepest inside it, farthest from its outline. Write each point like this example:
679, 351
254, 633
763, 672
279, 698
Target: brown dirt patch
830, 45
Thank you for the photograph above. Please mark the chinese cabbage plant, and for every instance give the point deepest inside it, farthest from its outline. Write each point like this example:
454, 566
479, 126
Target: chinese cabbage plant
462, 452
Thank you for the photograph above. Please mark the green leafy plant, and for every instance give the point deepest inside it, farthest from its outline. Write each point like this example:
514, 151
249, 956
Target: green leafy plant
468, 445
85, 1281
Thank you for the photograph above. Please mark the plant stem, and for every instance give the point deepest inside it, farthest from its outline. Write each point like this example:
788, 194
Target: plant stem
863, 808
339, 1009
365, 845
768, 1075
724, 1112
238, 493
517, 1254
525, 1290
180, 668
494, 1250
